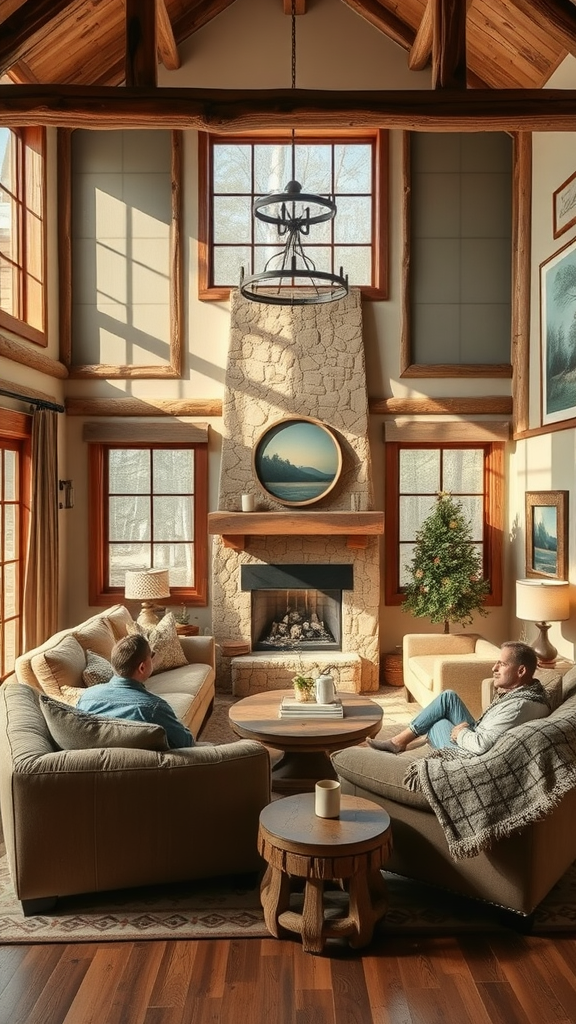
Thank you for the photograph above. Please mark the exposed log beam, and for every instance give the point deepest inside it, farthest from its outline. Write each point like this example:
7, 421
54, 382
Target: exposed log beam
377, 16
421, 50
141, 52
23, 28
19, 353
167, 47
558, 16
21, 74
449, 44
299, 6
250, 110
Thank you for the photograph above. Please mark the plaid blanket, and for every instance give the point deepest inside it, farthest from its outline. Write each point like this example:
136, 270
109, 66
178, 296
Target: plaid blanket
479, 798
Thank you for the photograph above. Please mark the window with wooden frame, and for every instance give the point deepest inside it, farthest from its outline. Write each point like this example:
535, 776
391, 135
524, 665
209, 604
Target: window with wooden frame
234, 170
15, 430
148, 509
472, 472
23, 232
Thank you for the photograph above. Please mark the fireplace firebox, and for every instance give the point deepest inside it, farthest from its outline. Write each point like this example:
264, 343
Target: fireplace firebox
296, 607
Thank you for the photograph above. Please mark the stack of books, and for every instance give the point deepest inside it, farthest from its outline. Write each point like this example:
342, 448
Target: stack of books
290, 708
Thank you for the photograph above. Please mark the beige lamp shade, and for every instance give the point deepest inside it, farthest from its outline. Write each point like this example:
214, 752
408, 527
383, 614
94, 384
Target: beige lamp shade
147, 586
543, 602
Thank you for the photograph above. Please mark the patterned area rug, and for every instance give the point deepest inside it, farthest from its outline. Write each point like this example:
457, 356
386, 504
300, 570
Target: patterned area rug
230, 908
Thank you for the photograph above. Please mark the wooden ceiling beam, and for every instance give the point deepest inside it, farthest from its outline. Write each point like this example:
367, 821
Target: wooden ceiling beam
557, 16
299, 6
141, 51
448, 44
377, 16
167, 47
21, 74
22, 29
420, 52
220, 110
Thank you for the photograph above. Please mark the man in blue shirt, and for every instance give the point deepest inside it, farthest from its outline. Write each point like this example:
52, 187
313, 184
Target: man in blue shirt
125, 696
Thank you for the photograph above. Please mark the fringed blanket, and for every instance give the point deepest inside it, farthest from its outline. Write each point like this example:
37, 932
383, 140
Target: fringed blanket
479, 798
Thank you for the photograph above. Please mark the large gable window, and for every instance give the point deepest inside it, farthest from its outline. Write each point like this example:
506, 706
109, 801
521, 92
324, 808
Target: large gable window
235, 170
22, 232
148, 507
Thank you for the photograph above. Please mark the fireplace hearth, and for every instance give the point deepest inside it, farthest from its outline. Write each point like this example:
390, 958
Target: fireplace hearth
296, 607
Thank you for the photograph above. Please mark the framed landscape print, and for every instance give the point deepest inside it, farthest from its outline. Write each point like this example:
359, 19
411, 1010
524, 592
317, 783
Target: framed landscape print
547, 534
297, 461
564, 206
558, 335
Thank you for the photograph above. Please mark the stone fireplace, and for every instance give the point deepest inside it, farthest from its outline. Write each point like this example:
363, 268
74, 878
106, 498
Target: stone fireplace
313, 571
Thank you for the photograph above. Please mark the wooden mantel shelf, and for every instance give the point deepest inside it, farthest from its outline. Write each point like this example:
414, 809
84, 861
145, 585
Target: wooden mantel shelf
234, 527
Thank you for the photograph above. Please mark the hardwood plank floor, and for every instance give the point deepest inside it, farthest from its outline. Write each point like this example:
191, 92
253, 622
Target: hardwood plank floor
502, 978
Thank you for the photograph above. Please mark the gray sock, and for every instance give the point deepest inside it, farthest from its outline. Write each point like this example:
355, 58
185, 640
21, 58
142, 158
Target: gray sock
386, 745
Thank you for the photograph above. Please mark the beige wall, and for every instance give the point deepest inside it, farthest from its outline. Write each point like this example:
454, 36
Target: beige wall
248, 46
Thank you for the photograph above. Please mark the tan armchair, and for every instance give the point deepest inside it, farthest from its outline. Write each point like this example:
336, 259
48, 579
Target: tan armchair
433, 662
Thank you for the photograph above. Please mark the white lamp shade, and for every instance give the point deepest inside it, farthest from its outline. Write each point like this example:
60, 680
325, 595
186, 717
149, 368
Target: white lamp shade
542, 600
147, 585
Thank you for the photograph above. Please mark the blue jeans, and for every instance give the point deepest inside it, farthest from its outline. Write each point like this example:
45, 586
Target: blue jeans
439, 718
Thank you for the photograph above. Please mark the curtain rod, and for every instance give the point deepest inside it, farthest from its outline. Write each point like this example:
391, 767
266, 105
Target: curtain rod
40, 403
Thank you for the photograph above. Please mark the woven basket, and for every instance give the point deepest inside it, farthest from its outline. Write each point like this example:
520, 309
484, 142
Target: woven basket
392, 667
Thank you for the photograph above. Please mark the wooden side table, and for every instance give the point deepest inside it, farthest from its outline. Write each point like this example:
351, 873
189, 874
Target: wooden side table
297, 844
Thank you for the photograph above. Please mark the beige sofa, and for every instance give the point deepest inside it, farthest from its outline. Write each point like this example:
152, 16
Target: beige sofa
56, 666
433, 662
101, 818
516, 872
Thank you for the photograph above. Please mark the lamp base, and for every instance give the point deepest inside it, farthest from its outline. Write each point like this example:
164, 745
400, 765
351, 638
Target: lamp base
148, 617
545, 652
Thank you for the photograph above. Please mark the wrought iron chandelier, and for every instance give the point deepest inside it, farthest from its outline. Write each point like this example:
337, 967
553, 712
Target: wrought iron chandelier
290, 277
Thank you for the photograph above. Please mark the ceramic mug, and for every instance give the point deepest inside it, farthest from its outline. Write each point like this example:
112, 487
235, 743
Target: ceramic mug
327, 798
325, 690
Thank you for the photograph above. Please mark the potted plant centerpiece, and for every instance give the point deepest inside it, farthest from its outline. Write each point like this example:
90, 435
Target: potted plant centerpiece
446, 583
303, 687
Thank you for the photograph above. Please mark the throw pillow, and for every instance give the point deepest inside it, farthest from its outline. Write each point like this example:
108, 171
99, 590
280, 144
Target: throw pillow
60, 667
163, 640
96, 635
72, 729
98, 670
569, 683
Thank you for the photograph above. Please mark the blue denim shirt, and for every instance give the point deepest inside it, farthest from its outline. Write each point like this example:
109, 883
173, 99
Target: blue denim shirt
127, 698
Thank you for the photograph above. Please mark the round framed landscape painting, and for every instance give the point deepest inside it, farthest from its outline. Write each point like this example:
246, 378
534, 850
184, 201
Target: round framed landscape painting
297, 460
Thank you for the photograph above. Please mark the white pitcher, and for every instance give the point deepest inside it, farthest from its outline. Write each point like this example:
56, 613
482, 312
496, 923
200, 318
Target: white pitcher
325, 689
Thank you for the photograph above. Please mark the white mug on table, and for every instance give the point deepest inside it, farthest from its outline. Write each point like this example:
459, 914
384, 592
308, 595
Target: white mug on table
327, 798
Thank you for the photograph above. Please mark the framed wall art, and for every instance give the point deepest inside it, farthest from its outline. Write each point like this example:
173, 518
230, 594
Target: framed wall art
558, 335
297, 461
547, 534
564, 206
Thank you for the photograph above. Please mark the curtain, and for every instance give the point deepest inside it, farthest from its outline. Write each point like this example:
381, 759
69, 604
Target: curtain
41, 582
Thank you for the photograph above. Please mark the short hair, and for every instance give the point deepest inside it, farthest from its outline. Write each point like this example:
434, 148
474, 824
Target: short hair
523, 655
128, 654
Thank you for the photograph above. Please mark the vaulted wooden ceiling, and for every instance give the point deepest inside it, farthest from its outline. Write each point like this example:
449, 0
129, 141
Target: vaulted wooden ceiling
510, 44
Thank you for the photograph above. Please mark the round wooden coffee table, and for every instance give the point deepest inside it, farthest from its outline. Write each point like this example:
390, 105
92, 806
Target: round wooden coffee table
306, 742
295, 843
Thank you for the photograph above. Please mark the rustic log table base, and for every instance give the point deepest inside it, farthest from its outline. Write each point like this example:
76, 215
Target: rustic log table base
297, 845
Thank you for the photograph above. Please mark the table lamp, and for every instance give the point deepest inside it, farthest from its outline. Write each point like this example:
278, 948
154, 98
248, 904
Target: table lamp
147, 586
539, 601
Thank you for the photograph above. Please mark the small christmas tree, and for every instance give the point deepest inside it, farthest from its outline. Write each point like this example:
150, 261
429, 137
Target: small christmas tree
446, 569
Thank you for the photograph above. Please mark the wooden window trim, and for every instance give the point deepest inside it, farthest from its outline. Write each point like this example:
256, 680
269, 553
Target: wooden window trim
16, 434
99, 593
494, 514
521, 227
32, 137
171, 370
380, 206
